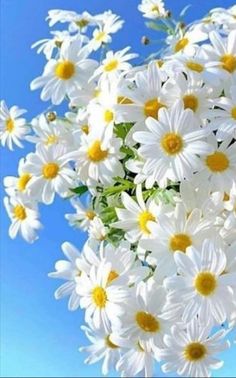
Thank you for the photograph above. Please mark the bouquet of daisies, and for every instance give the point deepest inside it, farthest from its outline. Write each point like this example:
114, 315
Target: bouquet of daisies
146, 154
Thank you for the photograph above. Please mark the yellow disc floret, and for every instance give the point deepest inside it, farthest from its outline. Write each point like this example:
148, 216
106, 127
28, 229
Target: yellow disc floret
111, 66
112, 276
180, 242
152, 107
50, 170
195, 351
172, 143
99, 296
228, 62
194, 66
147, 322
190, 102
205, 283
181, 44
65, 70
95, 152
143, 219
217, 162
10, 125
19, 212
23, 181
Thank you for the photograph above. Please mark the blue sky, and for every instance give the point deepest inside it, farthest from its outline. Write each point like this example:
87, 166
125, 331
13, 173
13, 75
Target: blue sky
40, 338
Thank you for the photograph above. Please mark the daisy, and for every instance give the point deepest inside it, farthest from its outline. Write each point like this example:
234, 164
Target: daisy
69, 270
69, 72
83, 216
124, 267
223, 51
12, 128
78, 124
203, 288
142, 318
24, 217
143, 100
191, 352
59, 15
14, 185
101, 348
152, 9
50, 133
219, 167
135, 217
185, 42
171, 145
97, 231
50, 173
223, 119
230, 206
176, 232
97, 158
108, 23
101, 301
113, 65
138, 360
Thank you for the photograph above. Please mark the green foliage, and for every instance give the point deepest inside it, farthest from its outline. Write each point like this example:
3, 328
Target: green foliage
80, 190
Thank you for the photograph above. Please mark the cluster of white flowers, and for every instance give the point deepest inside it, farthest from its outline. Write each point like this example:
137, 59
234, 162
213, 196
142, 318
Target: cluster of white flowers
152, 147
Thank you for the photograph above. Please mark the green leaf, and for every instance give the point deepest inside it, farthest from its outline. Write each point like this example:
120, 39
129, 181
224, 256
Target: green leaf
108, 215
80, 190
155, 26
122, 129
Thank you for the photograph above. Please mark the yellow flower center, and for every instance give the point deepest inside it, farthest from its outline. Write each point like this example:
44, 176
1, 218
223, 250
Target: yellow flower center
51, 140
85, 129
159, 63
95, 153
10, 125
181, 44
110, 344
228, 62
112, 276
155, 8
217, 162
90, 214
152, 107
147, 322
196, 67
99, 37
99, 296
226, 197
205, 283
96, 92
180, 242
82, 23
124, 100
143, 219
195, 351
50, 171
19, 212
190, 102
108, 116
233, 112
172, 143
65, 70
23, 181
111, 66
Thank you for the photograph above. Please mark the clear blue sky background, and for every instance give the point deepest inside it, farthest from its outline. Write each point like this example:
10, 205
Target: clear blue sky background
40, 338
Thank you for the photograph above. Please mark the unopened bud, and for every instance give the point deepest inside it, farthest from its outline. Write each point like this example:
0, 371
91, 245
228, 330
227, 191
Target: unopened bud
145, 40
182, 25
51, 116
168, 14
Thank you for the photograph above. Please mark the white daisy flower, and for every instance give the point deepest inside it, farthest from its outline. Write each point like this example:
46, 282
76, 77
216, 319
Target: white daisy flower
97, 231
125, 270
223, 119
50, 133
109, 23
48, 45
230, 206
97, 158
82, 217
152, 9
13, 129
86, 94
191, 352
114, 65
143, 100
50, 173
171, 146
185, 42
203, 287
14, 185
138, 360
223, 51
176, 232
135, 218
59, 15
219, 167
24, 217
101, 301
142, 318
69, 270
101, 348
69, 72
